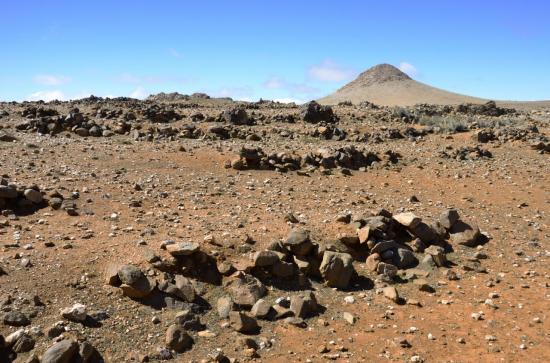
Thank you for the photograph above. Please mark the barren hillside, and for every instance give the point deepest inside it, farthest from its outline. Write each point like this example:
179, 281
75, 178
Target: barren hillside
386, 85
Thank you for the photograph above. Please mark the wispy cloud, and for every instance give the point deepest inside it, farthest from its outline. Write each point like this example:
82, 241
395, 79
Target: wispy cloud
50, 79
329, 71
274, 83
241, 93
150, 79
295, 88
409, 69
139, 93
127, 78
46, 96
175, 53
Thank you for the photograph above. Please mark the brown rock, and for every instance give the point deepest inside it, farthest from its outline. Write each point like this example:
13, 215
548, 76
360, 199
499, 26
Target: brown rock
363, 234
242, 323
407, 219
337, 269
390, 292
464, 234
246, 290
178, 339
372, 261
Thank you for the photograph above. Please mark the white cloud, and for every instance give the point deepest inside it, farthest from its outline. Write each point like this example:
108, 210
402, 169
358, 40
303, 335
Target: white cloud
408, 68
174, 53
293, 88
50, 80
289, 100
127, 78
139, 93
274, 83
244, 93
328, 71
130, 78
46, 96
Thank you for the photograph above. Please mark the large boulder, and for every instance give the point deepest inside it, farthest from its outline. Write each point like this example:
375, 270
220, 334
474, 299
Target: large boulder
16, 318
337, 269
242, 322
313, 112
237, 116
407, 219
304, 305
178, 339
465, 234
246, 290
134, 283
64, 351
404, 258
298, 242
182, 249
448, 218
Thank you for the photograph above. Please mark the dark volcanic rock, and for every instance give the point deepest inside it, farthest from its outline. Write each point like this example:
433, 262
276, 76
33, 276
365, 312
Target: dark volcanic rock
313, 112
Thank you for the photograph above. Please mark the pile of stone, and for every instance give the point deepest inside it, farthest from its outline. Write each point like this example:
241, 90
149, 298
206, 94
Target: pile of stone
466, 153
38, 111
390, 242
74, 121
70, 350
20, 200
489, 109
63, 350
529, 133
256, 158
290, 119
185, 261
224, 132
329, 132
541, 146
160, 114
313, 112
158, 133
105, 113
23, 200
410, 133
236, 116
245, 303
298, 258
347, 157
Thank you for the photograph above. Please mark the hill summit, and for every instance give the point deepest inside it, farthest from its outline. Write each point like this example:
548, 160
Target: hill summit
385, 84
380, 73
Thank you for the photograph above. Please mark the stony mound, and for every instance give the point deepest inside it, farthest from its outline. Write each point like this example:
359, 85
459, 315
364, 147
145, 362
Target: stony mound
386, 85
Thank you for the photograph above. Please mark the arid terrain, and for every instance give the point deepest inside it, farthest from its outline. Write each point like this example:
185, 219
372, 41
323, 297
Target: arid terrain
194, 229
386, 85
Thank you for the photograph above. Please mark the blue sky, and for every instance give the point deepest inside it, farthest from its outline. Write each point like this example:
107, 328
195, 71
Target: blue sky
288, 50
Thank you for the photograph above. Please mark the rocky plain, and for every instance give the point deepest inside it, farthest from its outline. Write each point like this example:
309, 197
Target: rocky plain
194, 229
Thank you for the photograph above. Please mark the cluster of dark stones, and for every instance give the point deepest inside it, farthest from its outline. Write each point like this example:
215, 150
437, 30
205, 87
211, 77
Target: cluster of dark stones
23, 200
160, 114
466, 153
52, 124
313, 112
347, 157
505, 134
470, 109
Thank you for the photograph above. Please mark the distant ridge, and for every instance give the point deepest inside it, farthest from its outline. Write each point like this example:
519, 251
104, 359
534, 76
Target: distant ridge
386, 85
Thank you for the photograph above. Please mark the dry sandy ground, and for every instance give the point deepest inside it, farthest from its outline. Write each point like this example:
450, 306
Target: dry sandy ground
188, 194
